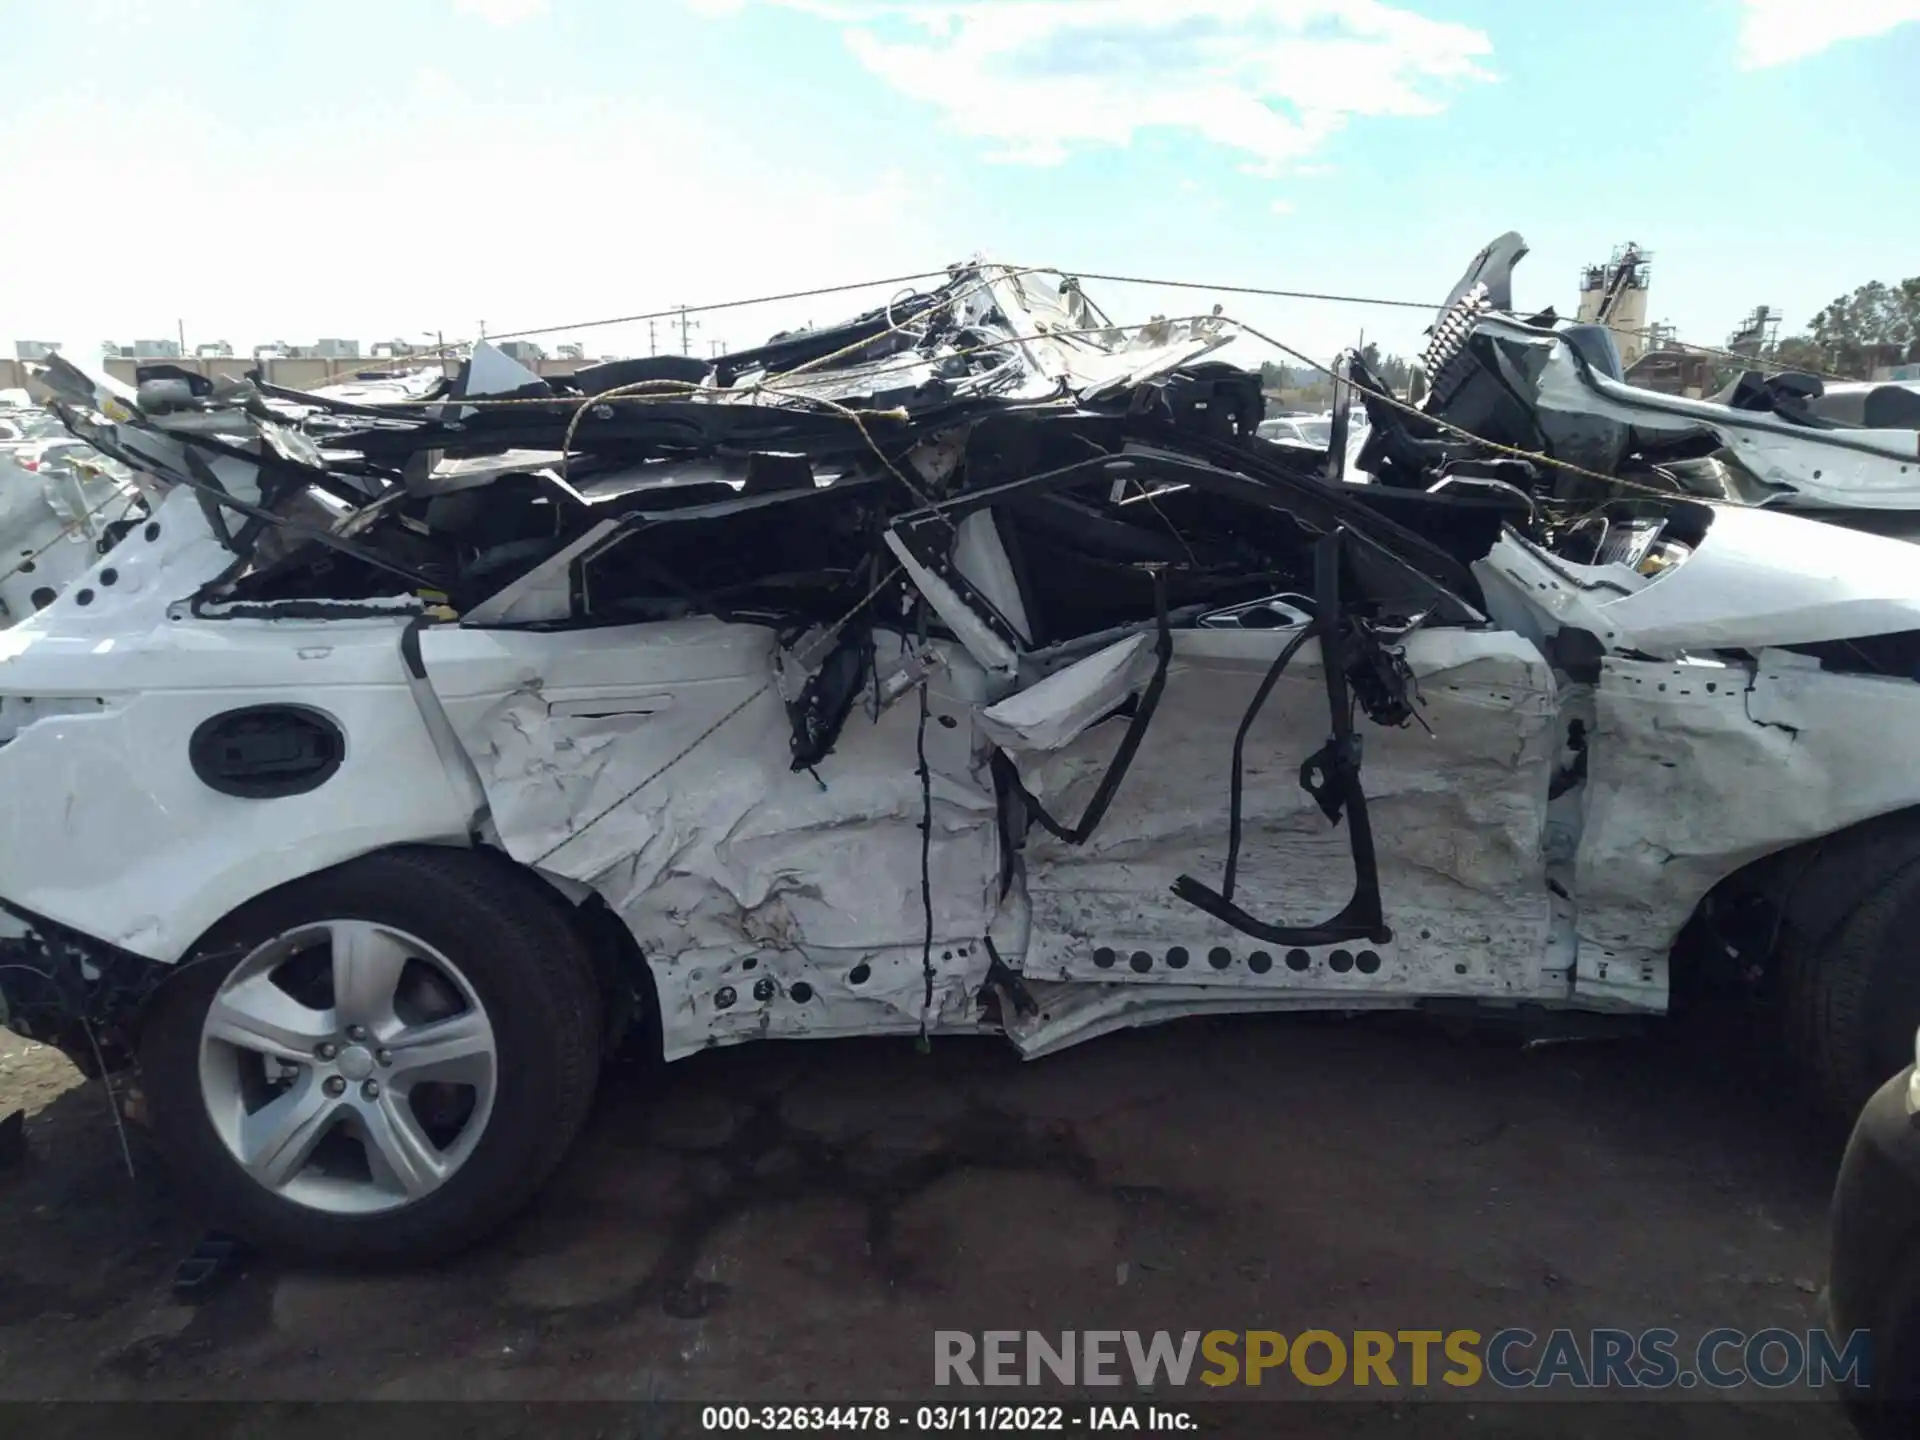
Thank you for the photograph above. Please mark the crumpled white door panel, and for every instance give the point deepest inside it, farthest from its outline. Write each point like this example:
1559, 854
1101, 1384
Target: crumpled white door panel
1458, 817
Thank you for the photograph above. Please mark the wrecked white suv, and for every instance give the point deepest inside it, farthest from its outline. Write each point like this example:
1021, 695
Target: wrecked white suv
972, 667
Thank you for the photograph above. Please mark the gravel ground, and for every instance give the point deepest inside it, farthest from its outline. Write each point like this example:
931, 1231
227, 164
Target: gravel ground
791, 1222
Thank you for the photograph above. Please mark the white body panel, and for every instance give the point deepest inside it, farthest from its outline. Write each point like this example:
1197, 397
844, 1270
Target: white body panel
1699, 768
1458, 816
650, 764
732, 870
107, 829
1760, 579
49, 526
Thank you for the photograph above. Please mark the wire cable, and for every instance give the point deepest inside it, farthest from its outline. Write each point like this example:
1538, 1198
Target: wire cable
925, 776
26, 562
895, 280
645, 390
1684, 347
1255, 290
113, 1098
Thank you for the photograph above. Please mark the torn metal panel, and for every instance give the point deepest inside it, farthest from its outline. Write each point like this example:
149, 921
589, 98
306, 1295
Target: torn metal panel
1052, 329
1055, 711
376, 386
53, 522
1755, 578
490, 371
59, 649
980, 555
449, 475
1852, 467
1457, 817
1555, 390
1698, 768
808, 874
544, 594
989, 650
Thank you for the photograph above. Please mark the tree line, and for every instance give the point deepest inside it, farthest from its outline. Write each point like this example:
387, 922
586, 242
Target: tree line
1877, 325
1303, 388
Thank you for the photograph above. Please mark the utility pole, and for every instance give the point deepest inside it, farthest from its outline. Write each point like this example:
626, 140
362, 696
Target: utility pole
653, 338
687, 327
483, 329
180, 329
716, 347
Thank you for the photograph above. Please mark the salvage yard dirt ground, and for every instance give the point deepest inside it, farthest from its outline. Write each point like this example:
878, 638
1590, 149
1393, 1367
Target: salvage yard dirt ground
791, 1222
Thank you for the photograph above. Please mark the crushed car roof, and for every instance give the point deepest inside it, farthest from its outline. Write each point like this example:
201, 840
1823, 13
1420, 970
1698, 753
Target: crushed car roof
786, 483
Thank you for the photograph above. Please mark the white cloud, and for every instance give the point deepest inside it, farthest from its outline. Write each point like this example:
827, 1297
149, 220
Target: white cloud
618, 226
501, 12
1038, 80
1775, 32
433, 88
1281, 207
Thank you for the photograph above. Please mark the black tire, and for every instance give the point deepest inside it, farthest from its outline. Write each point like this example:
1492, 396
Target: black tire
1883, 1419
529, 967
1890, 1410
1852, 998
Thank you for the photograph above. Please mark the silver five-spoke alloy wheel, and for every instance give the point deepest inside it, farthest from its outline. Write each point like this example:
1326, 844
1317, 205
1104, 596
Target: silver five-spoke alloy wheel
348, 1066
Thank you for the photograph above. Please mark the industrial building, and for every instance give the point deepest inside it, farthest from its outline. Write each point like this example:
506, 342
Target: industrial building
1615, 295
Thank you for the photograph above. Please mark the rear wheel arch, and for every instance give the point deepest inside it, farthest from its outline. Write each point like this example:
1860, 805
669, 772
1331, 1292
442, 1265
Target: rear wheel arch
1817, 883
627, 991
1824, 881
630, 997
528, 974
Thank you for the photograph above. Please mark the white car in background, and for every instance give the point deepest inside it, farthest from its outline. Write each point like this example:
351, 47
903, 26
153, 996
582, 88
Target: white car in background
22, 426
1311, 430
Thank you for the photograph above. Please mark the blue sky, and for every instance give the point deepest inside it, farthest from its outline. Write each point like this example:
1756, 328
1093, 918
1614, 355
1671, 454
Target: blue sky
380, 168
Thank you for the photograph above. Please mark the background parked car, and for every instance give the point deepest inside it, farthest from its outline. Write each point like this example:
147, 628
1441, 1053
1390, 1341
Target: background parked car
1314, 430
22, 427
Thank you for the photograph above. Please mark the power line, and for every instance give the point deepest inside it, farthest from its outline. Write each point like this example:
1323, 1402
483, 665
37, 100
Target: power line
1257, 290
1650, 332
675, 312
